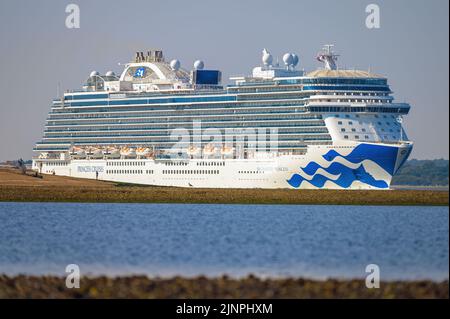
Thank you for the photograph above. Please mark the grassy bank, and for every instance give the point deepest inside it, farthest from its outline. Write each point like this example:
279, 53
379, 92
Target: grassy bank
136, 194
16, 187
222, 287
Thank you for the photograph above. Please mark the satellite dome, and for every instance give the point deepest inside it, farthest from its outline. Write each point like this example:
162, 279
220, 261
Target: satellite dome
288, 59
175, 65
294, 59
94, 73
199, 65
110, 73
267, 58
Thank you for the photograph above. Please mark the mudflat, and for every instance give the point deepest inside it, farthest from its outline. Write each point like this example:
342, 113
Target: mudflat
220, 287
26, 188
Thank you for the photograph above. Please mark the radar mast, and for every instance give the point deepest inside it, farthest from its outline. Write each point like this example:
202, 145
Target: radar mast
328, 57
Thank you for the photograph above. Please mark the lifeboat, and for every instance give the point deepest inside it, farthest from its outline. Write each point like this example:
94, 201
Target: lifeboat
94, 152
209, 149
111, 152
73, 151
97, 153
192, 150
114, 152
127, 152
89, 151
77, 152
124, 151
132, 152
143, 151
227, 150
106, 151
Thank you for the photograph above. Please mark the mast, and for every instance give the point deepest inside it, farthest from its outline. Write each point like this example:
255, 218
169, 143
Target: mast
328, 57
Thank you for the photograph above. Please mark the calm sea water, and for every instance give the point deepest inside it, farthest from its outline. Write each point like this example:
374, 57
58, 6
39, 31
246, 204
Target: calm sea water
267, 240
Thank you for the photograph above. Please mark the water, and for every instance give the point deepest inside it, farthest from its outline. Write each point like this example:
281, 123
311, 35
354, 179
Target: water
266, 240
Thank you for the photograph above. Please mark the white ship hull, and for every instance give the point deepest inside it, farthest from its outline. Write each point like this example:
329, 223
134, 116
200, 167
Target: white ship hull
347, 166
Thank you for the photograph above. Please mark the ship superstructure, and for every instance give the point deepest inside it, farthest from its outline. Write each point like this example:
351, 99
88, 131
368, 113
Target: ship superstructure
160, 124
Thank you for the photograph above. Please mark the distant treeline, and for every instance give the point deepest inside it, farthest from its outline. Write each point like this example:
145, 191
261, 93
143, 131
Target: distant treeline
423, 173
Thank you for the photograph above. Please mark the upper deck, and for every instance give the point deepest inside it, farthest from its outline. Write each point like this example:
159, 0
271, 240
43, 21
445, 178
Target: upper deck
151, 98
150, 76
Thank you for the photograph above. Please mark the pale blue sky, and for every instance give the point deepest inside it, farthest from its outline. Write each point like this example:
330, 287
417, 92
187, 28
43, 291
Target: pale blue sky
38, 51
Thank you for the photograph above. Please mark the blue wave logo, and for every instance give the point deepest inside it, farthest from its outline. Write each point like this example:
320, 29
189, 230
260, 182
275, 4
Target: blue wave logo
346, 177
384, 156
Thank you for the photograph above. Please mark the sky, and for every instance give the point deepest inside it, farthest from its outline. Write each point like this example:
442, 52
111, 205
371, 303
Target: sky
38, 53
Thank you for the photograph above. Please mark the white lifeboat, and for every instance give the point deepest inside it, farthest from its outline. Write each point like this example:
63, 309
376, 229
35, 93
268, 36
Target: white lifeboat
143, 151
106, 151
97, 153
111, 152
127, 152
227, 150
89, 151
114, 152
132, 152
209, 149
77, 152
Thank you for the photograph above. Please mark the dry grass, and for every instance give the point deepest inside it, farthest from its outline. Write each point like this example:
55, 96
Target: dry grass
12, 177
222, 287
16, 187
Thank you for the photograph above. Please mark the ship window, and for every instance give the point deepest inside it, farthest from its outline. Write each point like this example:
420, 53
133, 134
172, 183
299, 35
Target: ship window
340, 122
350, 123
366, 137
346, 137
353, 130
342, 129
357, 137
363, 129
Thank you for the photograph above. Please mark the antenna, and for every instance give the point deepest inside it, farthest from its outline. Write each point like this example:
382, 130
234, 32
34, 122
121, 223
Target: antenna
328, 57
328, 48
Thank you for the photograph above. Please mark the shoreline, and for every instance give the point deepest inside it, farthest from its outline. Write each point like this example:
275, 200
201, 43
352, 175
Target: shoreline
15, 187
172, 195
249, 287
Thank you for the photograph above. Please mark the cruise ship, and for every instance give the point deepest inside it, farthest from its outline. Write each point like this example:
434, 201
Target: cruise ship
160, 124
